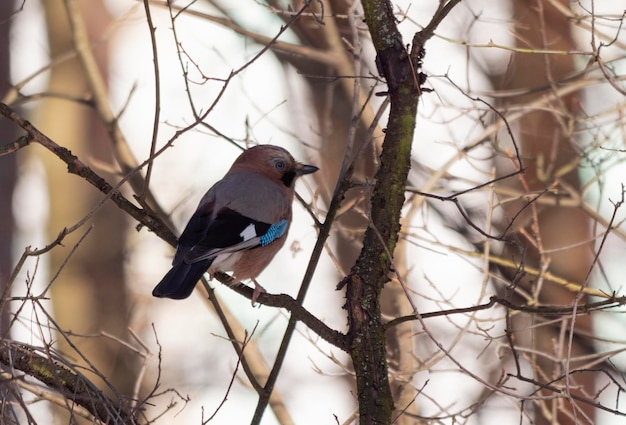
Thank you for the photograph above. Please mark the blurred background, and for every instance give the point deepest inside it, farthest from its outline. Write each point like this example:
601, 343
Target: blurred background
181, 93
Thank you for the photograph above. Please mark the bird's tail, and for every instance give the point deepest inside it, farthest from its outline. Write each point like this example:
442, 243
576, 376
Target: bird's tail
179, 282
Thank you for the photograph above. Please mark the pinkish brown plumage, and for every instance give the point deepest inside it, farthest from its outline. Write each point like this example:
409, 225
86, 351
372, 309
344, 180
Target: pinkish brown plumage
240, 223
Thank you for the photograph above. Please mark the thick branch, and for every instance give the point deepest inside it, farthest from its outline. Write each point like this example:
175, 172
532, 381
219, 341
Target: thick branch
370, 273
69, 383
368, 276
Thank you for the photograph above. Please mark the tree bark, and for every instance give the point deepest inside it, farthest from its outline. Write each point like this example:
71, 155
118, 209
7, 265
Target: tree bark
370, 273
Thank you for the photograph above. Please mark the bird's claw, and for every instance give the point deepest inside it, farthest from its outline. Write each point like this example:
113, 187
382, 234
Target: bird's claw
258, 290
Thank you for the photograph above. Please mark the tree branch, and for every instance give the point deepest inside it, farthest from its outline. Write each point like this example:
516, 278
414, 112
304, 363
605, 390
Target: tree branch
79, 168
370, 273
612, 302
71, 384
298, 313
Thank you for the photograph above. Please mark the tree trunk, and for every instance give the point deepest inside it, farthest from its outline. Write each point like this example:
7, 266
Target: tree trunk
560, 234
89, 296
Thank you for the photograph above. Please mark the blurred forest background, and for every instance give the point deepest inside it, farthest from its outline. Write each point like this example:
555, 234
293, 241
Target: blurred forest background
505, 297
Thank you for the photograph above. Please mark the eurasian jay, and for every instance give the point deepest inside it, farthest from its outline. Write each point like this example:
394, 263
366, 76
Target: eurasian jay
240, 223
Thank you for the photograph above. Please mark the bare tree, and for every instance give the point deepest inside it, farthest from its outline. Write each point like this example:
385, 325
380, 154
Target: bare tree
506, 207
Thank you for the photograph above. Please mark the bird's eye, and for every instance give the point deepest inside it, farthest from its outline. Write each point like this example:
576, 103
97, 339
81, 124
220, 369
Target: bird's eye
280, 165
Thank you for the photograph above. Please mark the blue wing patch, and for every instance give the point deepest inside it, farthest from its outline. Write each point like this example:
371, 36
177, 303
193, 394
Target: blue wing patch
275, 231
205, 238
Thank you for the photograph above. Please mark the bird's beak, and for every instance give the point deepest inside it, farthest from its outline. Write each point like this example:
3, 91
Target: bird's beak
305, 169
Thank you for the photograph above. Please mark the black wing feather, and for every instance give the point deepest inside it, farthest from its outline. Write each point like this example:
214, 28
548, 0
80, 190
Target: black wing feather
223, 231
200, 243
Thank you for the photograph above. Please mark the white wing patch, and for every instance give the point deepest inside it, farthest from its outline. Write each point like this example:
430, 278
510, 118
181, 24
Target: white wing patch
248, 233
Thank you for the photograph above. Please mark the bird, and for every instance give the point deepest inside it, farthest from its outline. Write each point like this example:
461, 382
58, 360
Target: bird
240, 224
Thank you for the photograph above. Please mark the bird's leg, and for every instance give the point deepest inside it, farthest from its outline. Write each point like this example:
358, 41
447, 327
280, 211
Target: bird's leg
258, 290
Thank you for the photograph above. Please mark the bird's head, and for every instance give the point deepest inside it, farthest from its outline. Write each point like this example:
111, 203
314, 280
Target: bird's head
273, 162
